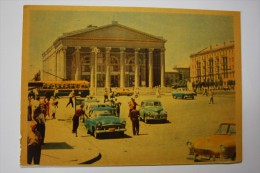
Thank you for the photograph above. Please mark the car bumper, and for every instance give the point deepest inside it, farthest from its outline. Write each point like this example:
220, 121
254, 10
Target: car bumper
157, 118
110, 130
207, 159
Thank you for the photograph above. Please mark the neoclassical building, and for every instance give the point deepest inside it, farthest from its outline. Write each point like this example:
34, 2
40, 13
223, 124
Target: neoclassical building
214, 63
113, 55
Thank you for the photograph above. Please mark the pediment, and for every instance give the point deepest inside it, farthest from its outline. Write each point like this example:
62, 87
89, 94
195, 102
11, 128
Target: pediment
112, 32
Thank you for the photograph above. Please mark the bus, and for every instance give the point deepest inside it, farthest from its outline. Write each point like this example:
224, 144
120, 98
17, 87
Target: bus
47, 88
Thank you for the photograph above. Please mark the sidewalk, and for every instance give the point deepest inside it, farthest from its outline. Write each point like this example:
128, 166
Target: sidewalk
62, 148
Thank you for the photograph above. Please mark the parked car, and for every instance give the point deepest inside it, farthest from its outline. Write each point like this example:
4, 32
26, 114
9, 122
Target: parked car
85, 102
152, 110
104, 120
183, 93
220, 146
123, 91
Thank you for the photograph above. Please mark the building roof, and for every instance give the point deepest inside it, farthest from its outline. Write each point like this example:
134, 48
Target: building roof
107, 34
91, 28
168, 69
216, 47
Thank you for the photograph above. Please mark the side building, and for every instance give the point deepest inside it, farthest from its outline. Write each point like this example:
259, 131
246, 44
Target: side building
113, 55
214, 67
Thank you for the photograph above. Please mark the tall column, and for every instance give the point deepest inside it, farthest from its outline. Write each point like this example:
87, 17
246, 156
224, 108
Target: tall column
64, 51
151, 67
78, 65
95, 50
108, 67
162, 67
92, 70
122, 67
136, 68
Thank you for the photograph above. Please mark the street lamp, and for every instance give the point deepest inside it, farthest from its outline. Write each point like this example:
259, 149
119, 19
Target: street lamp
96, 51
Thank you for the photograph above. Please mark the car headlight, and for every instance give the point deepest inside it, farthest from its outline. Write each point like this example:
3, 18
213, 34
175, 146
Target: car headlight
189, 145
222, 148
163, 112
99, 125
123, 123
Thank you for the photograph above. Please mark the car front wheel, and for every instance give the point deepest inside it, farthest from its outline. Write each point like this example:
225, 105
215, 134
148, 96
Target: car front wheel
95, 134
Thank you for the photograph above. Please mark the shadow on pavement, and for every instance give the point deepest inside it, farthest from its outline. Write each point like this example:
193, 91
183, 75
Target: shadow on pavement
93, 160
56, 145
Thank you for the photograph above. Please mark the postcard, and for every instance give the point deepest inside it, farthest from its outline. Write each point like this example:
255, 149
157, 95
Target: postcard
122, 86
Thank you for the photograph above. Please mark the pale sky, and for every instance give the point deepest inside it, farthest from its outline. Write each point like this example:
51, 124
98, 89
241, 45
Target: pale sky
185, 33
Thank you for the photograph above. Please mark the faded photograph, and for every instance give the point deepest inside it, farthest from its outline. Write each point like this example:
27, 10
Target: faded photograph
114, 86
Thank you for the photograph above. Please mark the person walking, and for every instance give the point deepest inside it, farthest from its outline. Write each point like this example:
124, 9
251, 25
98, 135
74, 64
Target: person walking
106, 95
71, 96
134, 116
54, 105
40, 119
211, 97
117, 106
34, 141
132, 105
56, 92
79, 112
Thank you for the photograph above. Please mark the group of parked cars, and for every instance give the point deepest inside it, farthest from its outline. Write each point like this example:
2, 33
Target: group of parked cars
103, 118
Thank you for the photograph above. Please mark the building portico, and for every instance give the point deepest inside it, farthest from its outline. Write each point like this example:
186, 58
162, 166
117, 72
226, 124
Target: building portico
108, 56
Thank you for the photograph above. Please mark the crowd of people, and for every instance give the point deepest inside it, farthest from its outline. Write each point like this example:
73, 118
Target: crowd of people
38, 111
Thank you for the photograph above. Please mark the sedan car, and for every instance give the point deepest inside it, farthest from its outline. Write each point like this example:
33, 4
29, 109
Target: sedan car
220, 146
152, 110
124, 91
183, 93
104, 120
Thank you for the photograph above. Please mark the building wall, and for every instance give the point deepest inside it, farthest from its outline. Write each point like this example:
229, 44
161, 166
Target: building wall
215, 64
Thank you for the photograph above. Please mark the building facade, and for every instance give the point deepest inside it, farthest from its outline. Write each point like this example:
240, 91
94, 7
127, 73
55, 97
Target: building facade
113, 55
214, 65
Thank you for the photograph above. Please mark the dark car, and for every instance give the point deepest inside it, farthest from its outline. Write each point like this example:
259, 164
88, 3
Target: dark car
152, 110
104, 120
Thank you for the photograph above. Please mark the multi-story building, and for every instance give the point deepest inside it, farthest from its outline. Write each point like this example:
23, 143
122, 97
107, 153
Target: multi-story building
214, 66
112, 55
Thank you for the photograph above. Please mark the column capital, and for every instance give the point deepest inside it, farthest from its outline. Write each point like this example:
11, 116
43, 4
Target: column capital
151, 50
77, 48
95, 49
137, 50
122, 49
108, 49
163, 49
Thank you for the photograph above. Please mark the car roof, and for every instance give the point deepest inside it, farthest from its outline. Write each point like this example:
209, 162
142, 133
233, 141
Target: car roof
228, 122
103, 108
151, 100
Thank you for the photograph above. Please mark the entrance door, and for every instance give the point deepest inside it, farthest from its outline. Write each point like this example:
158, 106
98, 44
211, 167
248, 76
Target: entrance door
115, 81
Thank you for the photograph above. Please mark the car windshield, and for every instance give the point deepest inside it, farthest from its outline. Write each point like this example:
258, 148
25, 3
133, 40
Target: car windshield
225, 129
103, 113
153, 103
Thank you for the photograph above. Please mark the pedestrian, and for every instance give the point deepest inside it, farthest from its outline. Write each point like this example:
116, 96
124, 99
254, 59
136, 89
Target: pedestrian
117, 106
40, 119
54, 105
134, 116
71, 96
56, 92
211, 97
29, 109
158, 94
132, 105
106, 95
206, 92
79, 112
34, 141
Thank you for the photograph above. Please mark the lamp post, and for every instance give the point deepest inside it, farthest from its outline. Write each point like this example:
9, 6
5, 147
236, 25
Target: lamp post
96, 51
